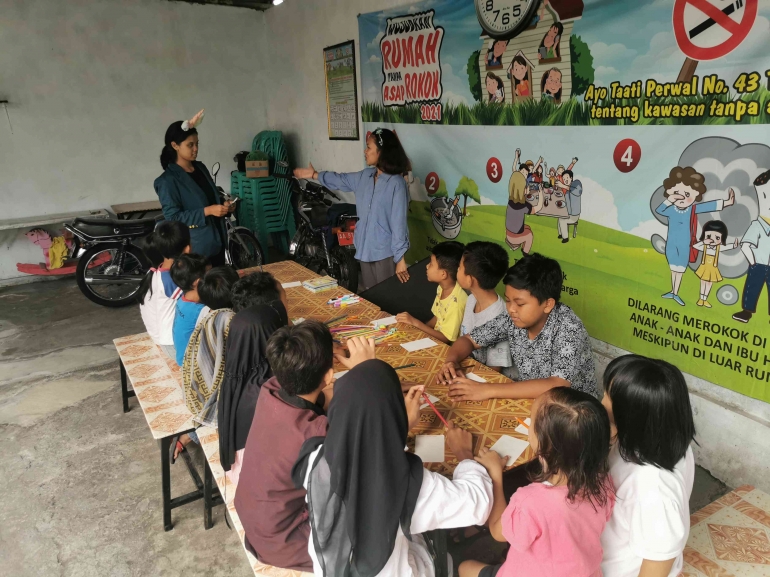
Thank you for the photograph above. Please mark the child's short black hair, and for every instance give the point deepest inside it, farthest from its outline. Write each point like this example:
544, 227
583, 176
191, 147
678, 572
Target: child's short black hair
259, 288
715, 226
573, 434
569, 173
538, 274
300, 356
169, 238
651, 409
486, 262
525, 166
448, 255
187, 269
216, 287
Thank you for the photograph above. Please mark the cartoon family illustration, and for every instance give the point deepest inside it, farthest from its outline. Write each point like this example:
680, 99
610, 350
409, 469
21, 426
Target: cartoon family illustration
520, 70
684, 188
529, 193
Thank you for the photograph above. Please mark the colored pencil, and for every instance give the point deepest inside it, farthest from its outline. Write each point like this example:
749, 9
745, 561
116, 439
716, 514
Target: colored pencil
335, 319
432, 406
405, 366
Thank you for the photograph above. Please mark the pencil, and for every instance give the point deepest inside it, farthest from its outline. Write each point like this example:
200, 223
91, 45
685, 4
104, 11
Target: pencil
432, 406
526, 426
405, 366
335, 319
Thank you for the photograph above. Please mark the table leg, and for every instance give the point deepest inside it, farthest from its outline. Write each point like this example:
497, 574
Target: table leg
439, 545
165, 473
207, 504
124, 392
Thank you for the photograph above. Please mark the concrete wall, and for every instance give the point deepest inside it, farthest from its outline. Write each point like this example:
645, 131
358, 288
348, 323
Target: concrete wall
92, 86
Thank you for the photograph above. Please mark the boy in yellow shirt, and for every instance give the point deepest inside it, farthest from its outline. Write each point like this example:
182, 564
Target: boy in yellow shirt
449, 306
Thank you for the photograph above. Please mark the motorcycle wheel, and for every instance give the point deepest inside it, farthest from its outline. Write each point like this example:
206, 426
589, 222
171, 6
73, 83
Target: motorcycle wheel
102, 261
245, 250
344, 268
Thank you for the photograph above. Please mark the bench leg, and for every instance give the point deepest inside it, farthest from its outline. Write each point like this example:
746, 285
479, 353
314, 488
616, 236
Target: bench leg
124, 392
439, 546
165, 473
207, 500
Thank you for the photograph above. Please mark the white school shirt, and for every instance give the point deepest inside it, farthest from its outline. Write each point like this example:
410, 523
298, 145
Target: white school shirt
651, 519
159, 307
441, 504
497, 355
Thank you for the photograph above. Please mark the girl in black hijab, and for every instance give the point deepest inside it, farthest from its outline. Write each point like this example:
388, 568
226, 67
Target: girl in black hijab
246, 368
367, 498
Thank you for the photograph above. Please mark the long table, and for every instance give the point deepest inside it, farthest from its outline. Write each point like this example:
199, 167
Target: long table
156, 380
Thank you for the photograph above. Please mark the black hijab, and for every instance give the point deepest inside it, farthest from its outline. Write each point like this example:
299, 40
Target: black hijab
246, 369
363, 485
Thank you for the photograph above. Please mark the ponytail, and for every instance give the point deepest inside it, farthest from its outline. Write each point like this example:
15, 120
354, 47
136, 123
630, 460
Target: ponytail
167, 156
174, 133
148, 247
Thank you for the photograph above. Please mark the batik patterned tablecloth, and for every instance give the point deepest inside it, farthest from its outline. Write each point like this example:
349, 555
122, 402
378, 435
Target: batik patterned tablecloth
730, 537
156, 380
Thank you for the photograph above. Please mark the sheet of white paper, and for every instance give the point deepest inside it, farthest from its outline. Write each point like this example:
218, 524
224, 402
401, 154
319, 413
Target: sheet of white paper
522, 429
425, 343
298, 321
386, 321
433, 400
475, 377
510, 446
341, 373
291, 284
430, 448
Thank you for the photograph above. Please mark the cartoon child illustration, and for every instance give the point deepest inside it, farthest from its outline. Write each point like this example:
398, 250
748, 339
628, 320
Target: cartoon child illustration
550, 85
533, 170
518, 72
712, 238
549, 45
519, 234
684, 188
495, 53
573, 190
495, 87
755, 246
560, 171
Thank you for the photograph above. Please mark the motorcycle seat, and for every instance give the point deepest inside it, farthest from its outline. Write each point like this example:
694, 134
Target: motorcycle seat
110, 227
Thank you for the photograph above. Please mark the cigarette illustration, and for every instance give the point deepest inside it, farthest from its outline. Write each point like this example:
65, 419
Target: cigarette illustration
706, 24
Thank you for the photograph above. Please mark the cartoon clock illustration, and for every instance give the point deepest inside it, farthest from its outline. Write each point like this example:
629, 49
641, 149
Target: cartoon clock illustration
503, 19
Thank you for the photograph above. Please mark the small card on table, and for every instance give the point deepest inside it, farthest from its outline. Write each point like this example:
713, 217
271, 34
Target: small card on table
433, 400
386, 321
425, 343
522, 429
430, 448
475, 377
510, 446
291, 284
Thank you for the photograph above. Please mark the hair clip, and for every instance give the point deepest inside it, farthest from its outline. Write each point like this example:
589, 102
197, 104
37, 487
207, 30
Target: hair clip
194, 121
378, 134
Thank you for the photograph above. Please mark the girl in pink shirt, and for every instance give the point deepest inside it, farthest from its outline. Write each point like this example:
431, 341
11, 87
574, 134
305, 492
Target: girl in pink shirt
554, 525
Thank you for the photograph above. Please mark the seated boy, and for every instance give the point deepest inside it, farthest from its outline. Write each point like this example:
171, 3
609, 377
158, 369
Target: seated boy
450, 300
215, 290
548, 342
290, 410
482, 267
258, 288
157, 298
187, 272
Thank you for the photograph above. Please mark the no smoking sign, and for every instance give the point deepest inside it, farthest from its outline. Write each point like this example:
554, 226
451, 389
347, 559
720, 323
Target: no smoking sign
711, 29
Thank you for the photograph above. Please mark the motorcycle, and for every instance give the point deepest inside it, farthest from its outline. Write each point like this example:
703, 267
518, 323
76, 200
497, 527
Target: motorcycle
310, 246
111, 266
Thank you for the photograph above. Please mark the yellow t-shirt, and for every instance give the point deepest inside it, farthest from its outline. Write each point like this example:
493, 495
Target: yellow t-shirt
449, 312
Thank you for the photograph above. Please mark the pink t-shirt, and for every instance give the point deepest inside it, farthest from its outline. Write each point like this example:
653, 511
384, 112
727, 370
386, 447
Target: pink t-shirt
552, 537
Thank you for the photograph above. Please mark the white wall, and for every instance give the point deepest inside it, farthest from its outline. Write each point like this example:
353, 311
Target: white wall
93, 85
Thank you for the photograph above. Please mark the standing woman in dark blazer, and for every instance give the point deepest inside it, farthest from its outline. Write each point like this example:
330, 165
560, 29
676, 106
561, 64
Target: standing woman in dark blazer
188, 194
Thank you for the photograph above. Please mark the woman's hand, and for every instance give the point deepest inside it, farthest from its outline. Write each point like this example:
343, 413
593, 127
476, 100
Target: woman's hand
306, 173
230, 207
401, 272
216, 210
413, 400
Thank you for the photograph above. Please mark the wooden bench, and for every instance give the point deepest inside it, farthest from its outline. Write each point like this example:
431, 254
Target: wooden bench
155, 380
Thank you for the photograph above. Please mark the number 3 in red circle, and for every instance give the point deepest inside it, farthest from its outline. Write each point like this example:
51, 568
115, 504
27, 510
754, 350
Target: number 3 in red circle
431, 182
627, 155
494, 169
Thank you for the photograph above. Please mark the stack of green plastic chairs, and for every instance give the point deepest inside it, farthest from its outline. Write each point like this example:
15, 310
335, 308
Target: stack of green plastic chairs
266, 202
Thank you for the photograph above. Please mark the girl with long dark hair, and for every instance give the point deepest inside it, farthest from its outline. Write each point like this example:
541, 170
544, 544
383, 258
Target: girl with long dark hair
382, 201
187, 192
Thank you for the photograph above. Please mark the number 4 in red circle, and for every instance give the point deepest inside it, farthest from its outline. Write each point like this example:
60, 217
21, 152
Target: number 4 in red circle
627, 155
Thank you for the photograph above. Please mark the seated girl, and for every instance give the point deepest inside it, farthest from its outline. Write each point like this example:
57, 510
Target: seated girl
554, 525
652, 467
368, 499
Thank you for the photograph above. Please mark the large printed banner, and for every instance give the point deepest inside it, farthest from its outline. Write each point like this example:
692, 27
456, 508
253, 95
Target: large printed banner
627, 140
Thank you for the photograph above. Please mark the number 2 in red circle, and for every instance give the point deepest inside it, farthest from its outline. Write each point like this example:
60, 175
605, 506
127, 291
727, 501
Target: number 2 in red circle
494, 169
627, 155
431, 182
